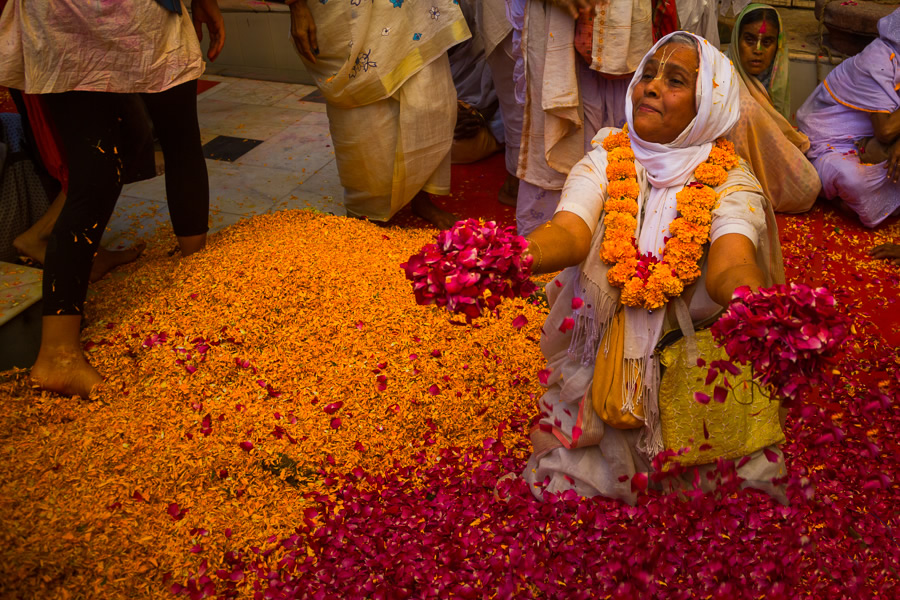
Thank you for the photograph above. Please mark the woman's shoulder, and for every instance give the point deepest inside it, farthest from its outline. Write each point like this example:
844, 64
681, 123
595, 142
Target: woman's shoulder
741, 195
741, 176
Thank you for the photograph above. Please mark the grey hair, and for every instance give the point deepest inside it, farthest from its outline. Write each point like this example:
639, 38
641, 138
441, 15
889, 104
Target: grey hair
684, 39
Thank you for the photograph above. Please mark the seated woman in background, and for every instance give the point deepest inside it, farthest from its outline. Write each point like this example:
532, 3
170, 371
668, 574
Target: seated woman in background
760, 57
764, 136
853, 123
630, 205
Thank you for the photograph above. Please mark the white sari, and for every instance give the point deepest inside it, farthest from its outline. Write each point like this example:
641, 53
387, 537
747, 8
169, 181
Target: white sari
573, 448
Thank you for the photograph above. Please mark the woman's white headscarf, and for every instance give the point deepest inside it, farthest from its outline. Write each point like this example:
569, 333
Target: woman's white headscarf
669, 168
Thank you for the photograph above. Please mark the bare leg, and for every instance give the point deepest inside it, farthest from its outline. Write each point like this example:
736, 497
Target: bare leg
889, 252
107, 260
61, 366
33, 242
160, 162
188, 244
423, 207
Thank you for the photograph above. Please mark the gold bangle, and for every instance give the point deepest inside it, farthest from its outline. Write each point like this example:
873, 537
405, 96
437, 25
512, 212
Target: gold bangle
540, 255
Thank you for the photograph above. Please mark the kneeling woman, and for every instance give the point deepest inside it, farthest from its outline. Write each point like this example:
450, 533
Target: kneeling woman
656, 227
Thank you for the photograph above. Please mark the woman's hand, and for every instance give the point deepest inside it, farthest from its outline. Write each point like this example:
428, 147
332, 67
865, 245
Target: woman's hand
207, 11
303, 30
893, 162
468, 122
886, 126
731, 264
890, 252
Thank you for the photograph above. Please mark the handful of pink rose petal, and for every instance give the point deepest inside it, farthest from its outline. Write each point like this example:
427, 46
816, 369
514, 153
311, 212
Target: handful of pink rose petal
471, 268
789, 335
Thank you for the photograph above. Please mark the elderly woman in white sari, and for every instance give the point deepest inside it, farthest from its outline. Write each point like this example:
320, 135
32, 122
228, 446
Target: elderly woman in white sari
656, 228
384, 72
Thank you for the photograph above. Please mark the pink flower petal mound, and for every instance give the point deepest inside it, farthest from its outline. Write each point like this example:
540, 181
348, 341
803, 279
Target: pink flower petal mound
471, 268
790, 335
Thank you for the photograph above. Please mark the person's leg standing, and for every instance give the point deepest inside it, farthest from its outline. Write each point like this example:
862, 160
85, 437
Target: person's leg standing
174, 116
88, 124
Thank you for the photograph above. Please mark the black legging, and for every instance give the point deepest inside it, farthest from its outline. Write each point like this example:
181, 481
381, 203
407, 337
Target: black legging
89, 127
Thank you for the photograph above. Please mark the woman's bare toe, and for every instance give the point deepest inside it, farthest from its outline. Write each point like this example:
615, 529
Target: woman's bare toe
107, 260
66, 373
31, 246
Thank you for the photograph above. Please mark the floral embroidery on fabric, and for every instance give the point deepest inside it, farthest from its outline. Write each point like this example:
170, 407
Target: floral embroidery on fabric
362, 63
397, 3
435, 13
417, 37
644, 279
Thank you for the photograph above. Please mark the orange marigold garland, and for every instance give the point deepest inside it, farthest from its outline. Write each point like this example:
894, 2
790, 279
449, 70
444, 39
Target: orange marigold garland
644, 279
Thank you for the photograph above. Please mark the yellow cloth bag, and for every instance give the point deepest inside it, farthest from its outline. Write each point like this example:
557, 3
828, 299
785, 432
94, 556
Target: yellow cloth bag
607, 386
746, 422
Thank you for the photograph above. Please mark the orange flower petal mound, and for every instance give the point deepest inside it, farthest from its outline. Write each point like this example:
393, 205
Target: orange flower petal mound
237, 380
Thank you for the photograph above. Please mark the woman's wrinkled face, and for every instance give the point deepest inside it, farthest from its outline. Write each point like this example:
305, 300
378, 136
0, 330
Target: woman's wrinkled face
757, 45
664, 101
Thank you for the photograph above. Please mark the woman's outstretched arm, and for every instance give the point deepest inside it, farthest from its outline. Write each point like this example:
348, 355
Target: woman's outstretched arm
562, 242
731, 264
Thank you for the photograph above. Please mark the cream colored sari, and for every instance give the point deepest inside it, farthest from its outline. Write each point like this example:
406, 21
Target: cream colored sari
383, 69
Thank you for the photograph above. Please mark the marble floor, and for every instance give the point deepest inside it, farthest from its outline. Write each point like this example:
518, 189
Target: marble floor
268, 149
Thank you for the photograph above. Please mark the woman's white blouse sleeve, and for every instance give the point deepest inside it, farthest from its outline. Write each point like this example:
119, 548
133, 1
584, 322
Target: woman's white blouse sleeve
584, 193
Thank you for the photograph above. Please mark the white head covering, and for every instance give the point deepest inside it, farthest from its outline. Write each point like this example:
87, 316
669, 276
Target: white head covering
669, 168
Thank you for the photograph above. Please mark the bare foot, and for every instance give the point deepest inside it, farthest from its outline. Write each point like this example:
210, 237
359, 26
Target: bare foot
423, 207
107, 260
31, 245
160, 162
509, 193
65, 372
889, 252
188, 244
